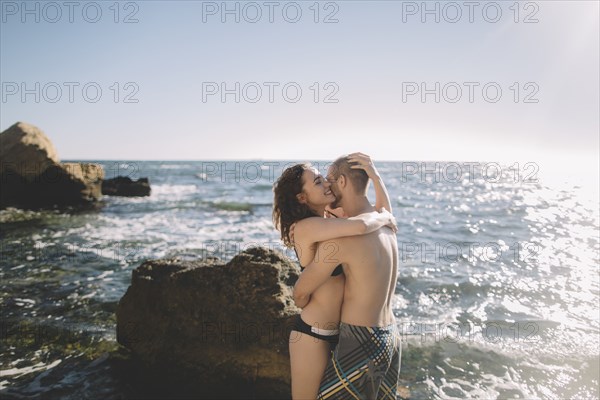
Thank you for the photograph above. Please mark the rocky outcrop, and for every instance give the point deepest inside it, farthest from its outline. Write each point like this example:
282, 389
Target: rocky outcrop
26, 149
32, 175
223, 326
124, 186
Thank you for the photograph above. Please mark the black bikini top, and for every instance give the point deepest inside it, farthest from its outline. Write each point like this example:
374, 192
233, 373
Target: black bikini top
337, 271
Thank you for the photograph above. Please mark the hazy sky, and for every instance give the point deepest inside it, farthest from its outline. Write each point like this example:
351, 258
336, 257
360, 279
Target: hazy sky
512, 80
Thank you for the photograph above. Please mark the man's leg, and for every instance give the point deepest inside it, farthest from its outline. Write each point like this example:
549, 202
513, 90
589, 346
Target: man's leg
358, 366
346, 366
389, 386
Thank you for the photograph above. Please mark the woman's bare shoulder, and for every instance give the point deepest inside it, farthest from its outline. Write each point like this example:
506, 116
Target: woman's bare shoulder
309, 221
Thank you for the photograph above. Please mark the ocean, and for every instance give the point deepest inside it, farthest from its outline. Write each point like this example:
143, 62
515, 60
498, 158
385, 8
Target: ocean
497, 293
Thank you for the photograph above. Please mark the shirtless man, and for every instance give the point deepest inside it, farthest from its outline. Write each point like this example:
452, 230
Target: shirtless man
366, 361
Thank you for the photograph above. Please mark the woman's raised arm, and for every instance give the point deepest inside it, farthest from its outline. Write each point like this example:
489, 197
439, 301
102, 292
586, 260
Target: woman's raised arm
363, 161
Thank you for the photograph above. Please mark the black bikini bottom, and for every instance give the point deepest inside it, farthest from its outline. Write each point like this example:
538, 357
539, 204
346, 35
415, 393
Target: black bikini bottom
328, 335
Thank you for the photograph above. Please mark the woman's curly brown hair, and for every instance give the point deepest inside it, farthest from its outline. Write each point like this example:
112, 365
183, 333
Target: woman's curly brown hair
286, 207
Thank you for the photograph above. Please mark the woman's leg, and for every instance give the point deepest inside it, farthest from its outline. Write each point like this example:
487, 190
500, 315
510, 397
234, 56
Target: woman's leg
308, 359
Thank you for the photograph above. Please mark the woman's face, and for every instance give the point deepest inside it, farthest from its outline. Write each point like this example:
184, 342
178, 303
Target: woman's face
315, 189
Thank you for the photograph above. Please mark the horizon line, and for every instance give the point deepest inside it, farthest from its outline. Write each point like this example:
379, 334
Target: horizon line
308, 159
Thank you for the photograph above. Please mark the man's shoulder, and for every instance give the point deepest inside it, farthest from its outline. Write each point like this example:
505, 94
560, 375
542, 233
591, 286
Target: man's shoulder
381, 237
348, 240
340, 245
341, 241
353, 244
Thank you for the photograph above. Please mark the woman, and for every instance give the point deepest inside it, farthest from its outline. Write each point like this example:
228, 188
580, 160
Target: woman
302, 198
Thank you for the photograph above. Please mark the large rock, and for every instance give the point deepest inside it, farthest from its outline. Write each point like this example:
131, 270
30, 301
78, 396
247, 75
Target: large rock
32, 176
223, 326
27, 150
124, 186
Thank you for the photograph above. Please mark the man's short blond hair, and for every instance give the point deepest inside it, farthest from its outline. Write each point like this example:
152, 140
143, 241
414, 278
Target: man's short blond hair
357, 176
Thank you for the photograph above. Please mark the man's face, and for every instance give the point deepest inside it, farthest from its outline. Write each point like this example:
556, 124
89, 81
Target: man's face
331, 178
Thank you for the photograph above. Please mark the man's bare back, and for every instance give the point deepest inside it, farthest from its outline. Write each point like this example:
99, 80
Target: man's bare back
370, 266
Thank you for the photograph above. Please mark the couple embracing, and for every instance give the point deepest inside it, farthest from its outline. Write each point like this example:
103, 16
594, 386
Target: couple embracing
344, 344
